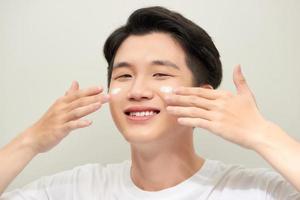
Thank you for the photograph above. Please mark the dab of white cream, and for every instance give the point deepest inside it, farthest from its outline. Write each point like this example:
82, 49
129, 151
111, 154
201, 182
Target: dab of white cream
115, 91
166, 89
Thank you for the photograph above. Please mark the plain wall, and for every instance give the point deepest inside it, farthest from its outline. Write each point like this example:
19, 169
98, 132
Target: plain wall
44, 45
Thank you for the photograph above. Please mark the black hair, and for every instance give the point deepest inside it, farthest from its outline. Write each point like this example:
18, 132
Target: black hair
202, 57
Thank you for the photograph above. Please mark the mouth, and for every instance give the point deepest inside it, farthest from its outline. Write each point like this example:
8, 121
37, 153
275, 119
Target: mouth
141, 113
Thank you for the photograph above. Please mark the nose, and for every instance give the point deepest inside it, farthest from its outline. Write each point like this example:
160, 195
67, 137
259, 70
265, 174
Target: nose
140, 90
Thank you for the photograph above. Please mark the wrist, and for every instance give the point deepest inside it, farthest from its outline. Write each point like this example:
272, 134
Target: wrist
271, 138
26, 143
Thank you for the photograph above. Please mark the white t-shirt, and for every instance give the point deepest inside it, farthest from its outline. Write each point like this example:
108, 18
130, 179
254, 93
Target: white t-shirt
215, 180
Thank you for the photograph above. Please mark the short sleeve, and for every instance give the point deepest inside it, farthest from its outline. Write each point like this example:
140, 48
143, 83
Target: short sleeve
256, 183
278, 188
71, 184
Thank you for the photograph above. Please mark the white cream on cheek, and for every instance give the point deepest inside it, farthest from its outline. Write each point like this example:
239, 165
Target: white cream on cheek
114, 91
166, 89
163, 89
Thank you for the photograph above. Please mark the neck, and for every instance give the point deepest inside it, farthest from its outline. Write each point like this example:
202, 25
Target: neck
165, 163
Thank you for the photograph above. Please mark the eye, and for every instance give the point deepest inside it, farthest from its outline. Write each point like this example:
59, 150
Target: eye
123, 76
160, 74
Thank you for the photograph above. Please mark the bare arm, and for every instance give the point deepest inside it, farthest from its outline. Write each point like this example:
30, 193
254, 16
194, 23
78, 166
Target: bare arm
236, 118
61, 118
282, 152
13, 158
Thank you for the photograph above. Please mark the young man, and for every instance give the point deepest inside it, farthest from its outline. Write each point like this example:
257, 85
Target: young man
162, 73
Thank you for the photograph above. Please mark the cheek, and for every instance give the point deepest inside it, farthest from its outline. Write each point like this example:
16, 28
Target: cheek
115, 93
166, 89
119, 92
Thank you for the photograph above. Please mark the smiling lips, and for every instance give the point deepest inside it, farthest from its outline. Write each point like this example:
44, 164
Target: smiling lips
141, 113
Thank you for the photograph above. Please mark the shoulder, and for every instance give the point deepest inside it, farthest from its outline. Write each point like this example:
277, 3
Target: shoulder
84, 180
89, 173
239, 174
258, 181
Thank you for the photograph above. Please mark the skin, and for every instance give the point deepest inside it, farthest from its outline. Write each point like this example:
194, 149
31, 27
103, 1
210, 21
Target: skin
167, 140
163, 142
64, 116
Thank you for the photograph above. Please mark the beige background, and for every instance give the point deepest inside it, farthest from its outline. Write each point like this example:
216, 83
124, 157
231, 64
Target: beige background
44, 45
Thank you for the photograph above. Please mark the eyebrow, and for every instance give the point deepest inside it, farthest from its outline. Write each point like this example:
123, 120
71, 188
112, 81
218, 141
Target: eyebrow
154, 62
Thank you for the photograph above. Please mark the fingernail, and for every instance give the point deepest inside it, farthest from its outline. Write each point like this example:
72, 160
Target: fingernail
105, 98
87, 122
169, 109
71, 85
167, 97
177, 89
98, 104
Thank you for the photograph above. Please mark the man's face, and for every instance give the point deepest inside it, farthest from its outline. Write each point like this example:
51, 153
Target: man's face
142, 65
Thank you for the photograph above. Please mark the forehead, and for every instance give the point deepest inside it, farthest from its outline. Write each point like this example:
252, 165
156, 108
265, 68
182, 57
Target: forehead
146, 48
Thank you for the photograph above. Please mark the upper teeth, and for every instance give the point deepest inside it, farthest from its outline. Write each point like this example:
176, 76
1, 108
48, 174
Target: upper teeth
146, 113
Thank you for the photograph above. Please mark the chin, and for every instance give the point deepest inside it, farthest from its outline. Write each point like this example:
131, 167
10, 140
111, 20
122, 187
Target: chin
142, 135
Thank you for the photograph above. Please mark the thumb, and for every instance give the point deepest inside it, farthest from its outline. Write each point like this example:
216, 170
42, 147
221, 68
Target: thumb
74, 87
240, 81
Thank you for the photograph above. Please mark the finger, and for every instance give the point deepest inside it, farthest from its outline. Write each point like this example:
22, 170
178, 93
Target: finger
83, 93
240, 81
82, 111
195, 122
74, 87
198, 91
189, 112
76, 124
189, 101
85, 101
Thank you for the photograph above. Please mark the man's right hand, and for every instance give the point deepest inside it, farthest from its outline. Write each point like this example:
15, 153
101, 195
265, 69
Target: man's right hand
64, 116
61, 118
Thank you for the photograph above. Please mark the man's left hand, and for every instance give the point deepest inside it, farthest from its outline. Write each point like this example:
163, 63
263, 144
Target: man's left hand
234, 117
